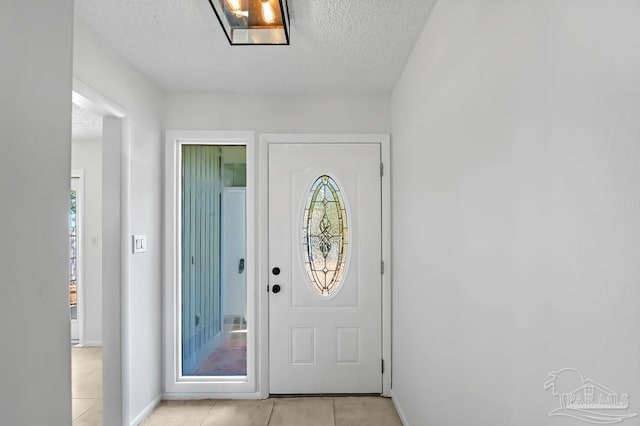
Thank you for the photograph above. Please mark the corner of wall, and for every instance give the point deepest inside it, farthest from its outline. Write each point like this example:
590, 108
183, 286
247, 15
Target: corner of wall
146, 411
398, 407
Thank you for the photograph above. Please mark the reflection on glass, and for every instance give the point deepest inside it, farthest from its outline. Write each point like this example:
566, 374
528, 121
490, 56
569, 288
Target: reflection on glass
253, 21
325, 235
213, 284
73, 257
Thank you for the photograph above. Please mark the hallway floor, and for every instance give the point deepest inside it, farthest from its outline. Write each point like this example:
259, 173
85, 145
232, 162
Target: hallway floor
86, 386
308, 411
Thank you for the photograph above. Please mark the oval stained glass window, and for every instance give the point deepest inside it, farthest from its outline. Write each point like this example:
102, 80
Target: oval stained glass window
325, 235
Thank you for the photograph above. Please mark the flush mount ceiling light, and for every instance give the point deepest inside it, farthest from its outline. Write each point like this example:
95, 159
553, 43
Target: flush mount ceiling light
252, 22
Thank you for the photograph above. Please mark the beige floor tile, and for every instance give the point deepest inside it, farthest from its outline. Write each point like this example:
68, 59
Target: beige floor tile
365, 411
87, 388
86, 373
182, 413
87, 359
92, 417
302, 411
240, 413
80, 406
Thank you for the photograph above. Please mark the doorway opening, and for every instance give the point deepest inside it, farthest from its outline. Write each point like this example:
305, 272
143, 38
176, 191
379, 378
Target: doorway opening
325, 252
326, 244
85, 264
190, 334
97, 145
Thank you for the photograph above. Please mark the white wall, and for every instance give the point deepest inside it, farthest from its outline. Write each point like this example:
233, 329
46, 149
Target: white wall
279, 113
35, 123
86, 155
516, 176
100, 68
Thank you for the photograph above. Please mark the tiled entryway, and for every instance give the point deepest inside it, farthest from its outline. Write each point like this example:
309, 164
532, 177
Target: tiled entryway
308, 411
86, 386
230, 357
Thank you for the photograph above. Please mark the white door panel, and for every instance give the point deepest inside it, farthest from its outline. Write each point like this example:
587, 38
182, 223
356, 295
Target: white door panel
325, 343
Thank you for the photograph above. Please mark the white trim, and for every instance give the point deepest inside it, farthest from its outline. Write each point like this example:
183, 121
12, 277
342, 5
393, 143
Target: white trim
79, 174
146, 411
387, 293
92, 343
263, 238
195, 386
125, 265
394, 399
88, 98
211, 395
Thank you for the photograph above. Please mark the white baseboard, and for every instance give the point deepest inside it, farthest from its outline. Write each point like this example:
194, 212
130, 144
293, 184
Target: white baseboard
93, 343
205, 395
146, 411
403, 419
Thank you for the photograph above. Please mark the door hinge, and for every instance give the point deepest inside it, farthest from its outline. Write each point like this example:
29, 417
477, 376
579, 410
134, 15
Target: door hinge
193, 260
382, 266
382, 366
381, 169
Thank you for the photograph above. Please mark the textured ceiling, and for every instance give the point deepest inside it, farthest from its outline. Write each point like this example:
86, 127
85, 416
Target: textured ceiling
85, 124
337, 46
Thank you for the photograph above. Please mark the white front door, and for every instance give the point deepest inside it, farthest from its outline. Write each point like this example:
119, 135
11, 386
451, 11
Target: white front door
325, 299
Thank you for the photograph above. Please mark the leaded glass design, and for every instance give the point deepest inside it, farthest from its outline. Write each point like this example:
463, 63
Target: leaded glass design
325, 235
73, 256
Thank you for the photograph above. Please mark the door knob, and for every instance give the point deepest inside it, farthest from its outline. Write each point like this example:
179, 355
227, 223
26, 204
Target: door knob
276, 271
276, 288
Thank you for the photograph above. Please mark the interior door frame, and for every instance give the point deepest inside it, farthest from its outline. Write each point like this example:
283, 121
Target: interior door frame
115, 249
266, 140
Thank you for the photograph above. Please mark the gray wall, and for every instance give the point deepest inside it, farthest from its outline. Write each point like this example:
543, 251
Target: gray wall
35, 124
516, 240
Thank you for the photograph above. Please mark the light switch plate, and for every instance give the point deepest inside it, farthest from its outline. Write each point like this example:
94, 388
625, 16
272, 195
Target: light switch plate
139, 243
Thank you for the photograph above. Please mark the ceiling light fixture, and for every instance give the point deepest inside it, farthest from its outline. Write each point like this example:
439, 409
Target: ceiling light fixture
253, 22
268, 15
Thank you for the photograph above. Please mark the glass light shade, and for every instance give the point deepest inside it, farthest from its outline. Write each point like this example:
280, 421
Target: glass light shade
253, 22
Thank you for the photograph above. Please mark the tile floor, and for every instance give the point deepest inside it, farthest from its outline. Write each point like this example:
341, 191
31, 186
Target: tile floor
308, 411
230, 358
86, 386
